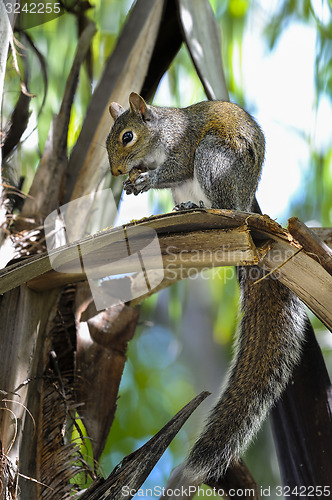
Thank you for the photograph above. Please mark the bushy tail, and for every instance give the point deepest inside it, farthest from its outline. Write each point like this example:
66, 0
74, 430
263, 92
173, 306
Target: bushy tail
268, 348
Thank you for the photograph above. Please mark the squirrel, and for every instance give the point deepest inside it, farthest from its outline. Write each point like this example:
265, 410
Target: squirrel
213, 152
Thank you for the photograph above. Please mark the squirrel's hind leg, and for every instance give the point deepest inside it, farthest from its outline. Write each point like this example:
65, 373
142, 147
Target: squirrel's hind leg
189, 205
221, 174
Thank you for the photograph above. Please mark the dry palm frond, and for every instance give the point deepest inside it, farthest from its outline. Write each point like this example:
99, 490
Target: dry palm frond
58, 459
8, 477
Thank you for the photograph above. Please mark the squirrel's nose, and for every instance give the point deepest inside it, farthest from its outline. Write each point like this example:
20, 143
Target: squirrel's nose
116, 171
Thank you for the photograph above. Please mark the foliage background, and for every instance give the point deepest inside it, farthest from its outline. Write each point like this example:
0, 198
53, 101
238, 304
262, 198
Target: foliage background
184, 342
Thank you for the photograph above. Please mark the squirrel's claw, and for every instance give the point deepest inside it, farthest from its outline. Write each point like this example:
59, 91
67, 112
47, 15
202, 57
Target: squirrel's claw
188, 205
128, 186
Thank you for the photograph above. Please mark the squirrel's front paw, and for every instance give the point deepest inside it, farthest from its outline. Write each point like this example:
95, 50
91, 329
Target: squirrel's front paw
142, 183
139, 185
128, 186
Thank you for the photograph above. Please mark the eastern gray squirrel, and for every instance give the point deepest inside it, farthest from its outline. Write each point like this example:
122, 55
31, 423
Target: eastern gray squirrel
212, 152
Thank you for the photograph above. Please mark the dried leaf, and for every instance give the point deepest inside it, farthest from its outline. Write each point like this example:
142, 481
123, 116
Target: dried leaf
202, 35
135, 468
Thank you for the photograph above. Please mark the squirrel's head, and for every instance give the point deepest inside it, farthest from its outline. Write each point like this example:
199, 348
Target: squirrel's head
131, 138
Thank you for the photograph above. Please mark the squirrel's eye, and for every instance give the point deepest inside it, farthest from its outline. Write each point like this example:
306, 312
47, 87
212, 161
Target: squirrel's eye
127, 137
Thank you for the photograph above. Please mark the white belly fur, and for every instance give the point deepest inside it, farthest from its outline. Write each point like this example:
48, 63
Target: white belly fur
190, 190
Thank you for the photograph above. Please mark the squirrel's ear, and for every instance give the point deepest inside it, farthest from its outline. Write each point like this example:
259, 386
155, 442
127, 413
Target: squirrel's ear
138, 105
115, 110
